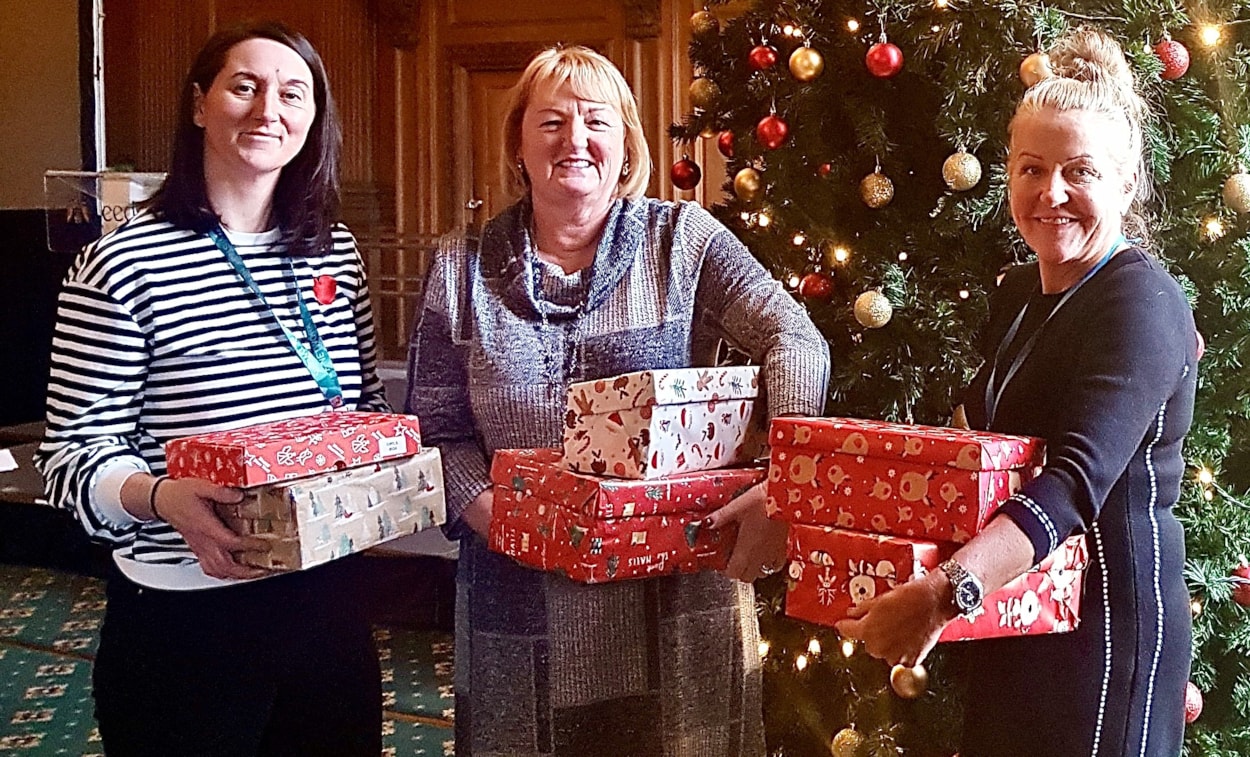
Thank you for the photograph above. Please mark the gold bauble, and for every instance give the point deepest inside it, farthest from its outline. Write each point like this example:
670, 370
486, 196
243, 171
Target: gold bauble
961, 171
1237, 192
748, 184
1035, 68
876, 190
703, 23
909, 683
847, 743
703, 93
806, 64
873, 310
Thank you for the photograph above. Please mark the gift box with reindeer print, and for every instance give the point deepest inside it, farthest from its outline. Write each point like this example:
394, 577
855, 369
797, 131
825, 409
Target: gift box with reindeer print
923, 482
596, 529
658, 423
832, 570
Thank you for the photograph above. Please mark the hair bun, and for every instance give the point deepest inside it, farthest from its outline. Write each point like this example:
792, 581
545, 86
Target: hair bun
1091, 56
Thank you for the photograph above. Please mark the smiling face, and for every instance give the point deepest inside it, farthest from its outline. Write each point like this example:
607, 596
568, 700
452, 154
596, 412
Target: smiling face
573, 149
1069, 189
257, 112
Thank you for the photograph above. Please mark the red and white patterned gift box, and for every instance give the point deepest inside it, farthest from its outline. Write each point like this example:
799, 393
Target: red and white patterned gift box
293, 448
921, 482
331, 515
832, 570
597, 529
658, 423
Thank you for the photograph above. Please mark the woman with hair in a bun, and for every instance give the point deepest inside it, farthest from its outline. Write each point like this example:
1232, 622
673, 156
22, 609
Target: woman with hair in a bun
1092, 348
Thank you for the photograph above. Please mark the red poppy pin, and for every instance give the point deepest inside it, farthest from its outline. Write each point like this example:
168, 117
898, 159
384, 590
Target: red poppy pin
324, 288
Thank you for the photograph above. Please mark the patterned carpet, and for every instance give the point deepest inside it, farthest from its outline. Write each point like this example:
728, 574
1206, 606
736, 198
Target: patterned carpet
49, 622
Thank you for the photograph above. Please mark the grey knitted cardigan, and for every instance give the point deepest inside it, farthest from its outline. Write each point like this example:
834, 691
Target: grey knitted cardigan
544, 666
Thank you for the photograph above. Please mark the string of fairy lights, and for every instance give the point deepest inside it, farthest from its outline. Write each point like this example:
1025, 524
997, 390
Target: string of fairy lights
961, 171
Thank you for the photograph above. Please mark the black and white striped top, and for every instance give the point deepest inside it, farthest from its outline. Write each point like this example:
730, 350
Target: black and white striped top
157, 337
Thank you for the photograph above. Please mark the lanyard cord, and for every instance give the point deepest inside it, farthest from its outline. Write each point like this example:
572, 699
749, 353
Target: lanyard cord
318, 362
993, 394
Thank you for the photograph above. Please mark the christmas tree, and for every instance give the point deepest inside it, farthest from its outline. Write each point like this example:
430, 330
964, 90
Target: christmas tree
865, 147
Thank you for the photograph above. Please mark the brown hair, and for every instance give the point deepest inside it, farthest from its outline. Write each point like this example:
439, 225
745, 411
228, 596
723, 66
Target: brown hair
593, 77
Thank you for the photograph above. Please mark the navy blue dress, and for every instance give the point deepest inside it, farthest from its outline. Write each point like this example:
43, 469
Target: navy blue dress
1109, 382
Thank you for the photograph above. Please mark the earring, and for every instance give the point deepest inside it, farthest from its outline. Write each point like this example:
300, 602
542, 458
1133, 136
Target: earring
625, 169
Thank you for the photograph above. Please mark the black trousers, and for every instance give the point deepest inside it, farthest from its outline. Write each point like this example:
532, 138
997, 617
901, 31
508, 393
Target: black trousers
283, 666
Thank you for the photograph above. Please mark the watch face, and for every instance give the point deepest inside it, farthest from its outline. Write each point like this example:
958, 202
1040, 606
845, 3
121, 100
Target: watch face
968, 595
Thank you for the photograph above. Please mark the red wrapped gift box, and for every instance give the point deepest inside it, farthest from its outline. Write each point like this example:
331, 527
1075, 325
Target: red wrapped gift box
922, 482
293, 448
595, 529
832, 569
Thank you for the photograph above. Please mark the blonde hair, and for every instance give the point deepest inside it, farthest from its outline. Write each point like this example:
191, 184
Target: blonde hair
1091, 74
592, 77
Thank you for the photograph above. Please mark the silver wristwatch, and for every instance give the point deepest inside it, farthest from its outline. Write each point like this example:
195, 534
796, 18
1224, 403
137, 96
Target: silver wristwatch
966, 590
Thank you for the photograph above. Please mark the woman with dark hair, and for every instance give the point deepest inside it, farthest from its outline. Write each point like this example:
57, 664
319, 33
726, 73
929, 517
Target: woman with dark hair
199, 315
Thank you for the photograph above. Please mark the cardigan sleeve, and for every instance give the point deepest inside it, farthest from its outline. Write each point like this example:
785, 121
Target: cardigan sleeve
438, 391
745, 305
1138, 350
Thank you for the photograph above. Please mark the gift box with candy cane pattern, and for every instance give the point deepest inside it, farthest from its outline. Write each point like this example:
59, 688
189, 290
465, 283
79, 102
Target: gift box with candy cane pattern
595, 529
651, 424
922, 482
832, 570
294, 448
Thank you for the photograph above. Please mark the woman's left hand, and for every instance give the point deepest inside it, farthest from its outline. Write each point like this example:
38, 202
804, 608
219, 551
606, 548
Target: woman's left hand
902, 625
761, 546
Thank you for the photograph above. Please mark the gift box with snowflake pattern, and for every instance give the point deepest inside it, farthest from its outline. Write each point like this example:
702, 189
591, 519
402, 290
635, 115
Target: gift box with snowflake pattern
595, 529
293, 448
831, 570
920, 482
320, 518
651, 424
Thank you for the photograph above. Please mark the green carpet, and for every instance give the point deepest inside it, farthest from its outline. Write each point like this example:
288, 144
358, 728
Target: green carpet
49, 625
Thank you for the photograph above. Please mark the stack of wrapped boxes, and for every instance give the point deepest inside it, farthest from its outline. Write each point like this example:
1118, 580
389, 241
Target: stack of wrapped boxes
646, 458
874, 504
319, 487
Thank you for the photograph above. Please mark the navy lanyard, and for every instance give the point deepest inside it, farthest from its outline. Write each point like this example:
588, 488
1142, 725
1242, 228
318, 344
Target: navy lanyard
992, 394
318, 362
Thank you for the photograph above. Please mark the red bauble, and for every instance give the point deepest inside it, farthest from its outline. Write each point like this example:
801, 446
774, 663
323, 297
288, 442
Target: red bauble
884, 60
1175, 59
762, 57
816, 286
725, 143
772, 131
1193, 702
686, 174
824, 170
1241, 589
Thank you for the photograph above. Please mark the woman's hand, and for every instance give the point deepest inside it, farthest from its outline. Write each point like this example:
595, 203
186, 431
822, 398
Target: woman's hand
478, 512
902, 625
761, 546
187, 505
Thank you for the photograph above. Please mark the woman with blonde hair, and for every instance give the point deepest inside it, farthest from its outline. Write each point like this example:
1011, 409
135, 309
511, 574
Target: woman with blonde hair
1092, 348
585, 278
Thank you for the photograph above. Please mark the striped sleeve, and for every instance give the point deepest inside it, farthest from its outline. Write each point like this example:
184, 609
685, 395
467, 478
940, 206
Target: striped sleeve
95, 393
372, 390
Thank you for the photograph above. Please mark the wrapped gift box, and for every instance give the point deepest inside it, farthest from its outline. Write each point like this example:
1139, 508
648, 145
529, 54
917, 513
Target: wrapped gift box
331, 515
597, 529
832, 570
658, 423
293, 448
920, 482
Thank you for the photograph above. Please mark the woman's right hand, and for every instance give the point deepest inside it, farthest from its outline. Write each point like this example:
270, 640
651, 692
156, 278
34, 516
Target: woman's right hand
478, 512
187, 505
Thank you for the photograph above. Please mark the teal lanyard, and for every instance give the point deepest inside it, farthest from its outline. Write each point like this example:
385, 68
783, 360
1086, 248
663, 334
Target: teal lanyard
317, 362
993, 390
